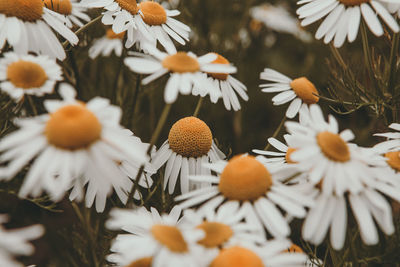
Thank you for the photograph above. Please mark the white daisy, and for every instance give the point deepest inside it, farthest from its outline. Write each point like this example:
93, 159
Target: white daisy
72, 10
343, 17
27, 74
186, 71
75, 144
340, 171
227, 85
189, 146
107, 44
299, 91
24, 24
14, 242
248, 182
153, 239
162, 25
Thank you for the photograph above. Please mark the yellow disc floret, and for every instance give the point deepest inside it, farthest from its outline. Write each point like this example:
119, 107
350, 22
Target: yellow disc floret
26, 10
219, 60
244, 178
393, 159
190, 137
170, 236
153, 13
237, 257
289, 152
73, 127
333, 146
216, 234
295, 249
305, 90
181, 62
353, 2
110, 34
60, 6
26, 74
143, 262
129, 5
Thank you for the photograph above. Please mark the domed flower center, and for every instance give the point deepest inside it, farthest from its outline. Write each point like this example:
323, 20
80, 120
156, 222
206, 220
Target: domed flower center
110, 34
237, 257
393, 159
60, 6
181, 62
26, 10
129, 5
143, 262
244, 178
190, 137
289, 152
333, 146
220, 60
295, 249
305, 90
72, 127
153, 13
26, 74
353, 2
169, 236
216, 234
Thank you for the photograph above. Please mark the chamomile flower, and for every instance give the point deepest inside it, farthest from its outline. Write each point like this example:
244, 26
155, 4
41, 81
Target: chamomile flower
72, 10
163, 26
27, 74
107, 44
246, 181
343, 18
153, 239
185, 69
189, 146
227, 85
24, 24
73, 145
14, 242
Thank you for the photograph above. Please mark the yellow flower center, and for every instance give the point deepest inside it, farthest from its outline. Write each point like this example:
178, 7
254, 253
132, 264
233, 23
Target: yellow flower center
305, 90
393, 159
244, 178
353, 2
237, 257
295, 249
216, 234
153, 13
129, 5
333, 146
72, 127
110, 34
170, 236
190, 137
60, 6
181, 62
143, 262
289, 152
220, 60
26, 74
26, 10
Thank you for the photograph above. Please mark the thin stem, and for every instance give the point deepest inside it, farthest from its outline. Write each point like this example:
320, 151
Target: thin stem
276, 132
83, 28
198, 106
32, 105
393, 61
136, 93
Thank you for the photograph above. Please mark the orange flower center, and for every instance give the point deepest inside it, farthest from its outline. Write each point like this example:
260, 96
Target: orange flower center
61, 6
110, 34
129, 5
333, 146
220, 60
72, 127
237, 257
169, 236
26, 10
216, 234
190, 137
143, 262
153, 13
353, 2
26, 74
305, 90
393, 159
244, 178
289, 152
181, 62
295, 249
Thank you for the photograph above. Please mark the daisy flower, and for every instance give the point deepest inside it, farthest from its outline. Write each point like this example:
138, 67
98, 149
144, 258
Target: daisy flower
227, 85
189, 146
343, 17
14, 242
27, 74
152, 239
341, 172
300, 92
246, 181
73, 11
107, 44
73, 145
163, 26
185, 69
24, 24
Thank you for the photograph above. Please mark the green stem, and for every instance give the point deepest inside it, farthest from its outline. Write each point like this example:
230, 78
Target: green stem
198, 106
276, 132
32, 105
83, 28
393, 61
